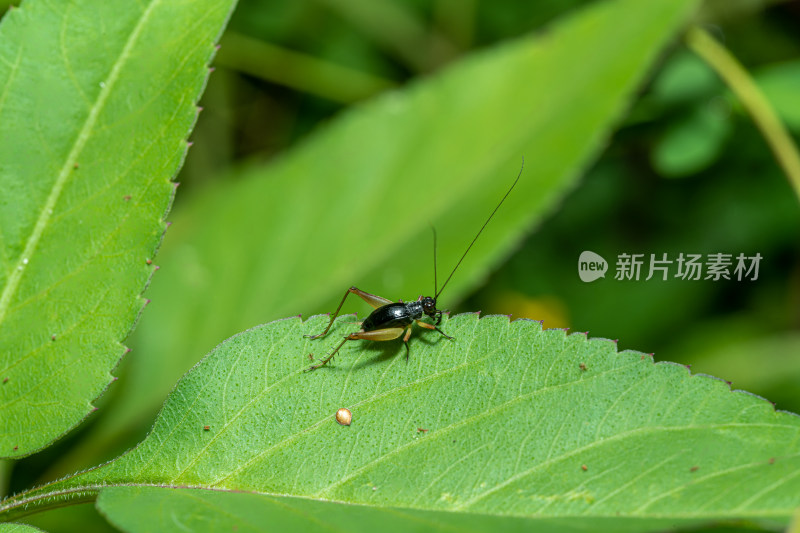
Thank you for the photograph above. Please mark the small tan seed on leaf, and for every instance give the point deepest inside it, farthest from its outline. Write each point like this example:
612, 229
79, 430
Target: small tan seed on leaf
344, 416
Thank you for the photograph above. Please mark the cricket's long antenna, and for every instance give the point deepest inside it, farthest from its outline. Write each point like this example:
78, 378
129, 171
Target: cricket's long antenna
476, 236
435, 283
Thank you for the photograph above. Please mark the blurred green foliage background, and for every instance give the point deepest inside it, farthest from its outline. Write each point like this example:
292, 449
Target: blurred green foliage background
686, 172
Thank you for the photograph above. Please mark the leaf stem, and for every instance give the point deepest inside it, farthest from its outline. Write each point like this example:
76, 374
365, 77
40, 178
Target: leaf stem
22, 505
751, 97
297, 70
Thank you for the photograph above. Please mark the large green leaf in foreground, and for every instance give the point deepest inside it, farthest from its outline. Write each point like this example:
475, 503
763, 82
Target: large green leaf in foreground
18, 528
214, 510
505, 421
97, 98
352, 205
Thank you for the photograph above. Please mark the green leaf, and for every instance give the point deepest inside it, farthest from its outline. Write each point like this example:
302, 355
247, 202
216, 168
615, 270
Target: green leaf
505, 421
18, 528
693, 142
200, 510
96, 101
352, 205
685, 79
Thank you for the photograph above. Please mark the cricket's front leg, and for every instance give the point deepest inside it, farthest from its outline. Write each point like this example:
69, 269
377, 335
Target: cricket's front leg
431, 326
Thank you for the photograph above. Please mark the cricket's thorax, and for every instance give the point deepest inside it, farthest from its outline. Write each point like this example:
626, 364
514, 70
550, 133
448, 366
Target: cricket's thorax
394, 315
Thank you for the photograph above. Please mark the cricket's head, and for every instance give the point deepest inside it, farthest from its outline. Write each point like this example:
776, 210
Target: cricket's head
429, 308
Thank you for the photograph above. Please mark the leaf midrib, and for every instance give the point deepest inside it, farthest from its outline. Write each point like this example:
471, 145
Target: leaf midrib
80, 141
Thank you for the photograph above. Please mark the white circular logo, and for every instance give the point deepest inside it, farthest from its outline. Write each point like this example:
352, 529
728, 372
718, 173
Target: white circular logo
591, 266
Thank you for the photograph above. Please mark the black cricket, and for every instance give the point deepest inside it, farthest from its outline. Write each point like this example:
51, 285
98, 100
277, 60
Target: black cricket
390, 319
